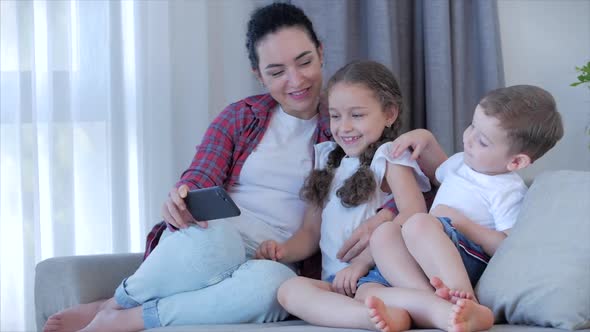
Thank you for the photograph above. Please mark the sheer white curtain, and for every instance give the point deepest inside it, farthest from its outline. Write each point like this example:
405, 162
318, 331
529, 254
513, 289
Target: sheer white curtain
102, 103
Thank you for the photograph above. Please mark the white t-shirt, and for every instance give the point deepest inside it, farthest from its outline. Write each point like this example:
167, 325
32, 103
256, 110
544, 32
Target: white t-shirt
338, 222
271, 178
492, 201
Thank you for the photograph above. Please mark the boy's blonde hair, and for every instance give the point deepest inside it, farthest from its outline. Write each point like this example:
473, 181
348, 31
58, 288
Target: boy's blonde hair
529, 116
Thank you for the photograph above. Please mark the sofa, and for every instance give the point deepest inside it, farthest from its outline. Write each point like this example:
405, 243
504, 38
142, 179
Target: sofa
538, 280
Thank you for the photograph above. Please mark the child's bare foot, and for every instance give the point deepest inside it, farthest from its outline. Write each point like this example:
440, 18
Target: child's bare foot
458, 294
468, 316
383, 317
452, 295
74, 318
440, 289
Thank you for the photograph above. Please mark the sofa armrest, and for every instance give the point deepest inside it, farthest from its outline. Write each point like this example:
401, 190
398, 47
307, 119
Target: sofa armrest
62, 282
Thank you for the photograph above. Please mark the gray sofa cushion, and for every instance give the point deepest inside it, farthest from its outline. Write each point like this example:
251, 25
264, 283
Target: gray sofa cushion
541, 273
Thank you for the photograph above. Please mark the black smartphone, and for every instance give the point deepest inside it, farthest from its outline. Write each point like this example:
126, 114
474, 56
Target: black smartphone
211, 203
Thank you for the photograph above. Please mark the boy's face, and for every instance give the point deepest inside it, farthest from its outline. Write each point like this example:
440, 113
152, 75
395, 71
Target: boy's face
486, 145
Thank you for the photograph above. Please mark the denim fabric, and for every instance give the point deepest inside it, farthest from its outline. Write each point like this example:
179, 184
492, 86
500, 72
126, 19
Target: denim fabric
474, 258
202, 276
374, 275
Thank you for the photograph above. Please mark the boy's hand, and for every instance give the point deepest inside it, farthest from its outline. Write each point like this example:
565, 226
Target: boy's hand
417, 139
346, 279
271, 250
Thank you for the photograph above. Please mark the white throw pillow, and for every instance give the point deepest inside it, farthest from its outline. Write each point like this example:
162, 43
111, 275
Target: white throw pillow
541, 273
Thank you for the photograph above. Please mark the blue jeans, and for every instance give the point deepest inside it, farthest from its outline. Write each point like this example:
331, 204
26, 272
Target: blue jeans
202, 276
374, 275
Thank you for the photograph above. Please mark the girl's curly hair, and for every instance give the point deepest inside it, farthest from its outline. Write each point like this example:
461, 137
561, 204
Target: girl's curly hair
361, 185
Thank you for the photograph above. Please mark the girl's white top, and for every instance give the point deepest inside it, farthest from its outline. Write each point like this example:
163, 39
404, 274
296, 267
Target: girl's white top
338, 222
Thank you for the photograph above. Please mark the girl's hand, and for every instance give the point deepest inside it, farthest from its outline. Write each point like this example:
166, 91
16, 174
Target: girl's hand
346, 279
174, 210
271, 250
359, 239
417, 139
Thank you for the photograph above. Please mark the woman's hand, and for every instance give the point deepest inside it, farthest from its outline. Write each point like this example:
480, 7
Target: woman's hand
174, 210
359, 239
271, 250
346, 279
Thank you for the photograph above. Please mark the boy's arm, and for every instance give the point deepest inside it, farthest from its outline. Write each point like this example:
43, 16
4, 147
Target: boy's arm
488, 239
426, 151
306, 241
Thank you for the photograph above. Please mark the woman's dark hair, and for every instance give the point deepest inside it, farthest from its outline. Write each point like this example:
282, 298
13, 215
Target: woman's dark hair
361, 185
271, 18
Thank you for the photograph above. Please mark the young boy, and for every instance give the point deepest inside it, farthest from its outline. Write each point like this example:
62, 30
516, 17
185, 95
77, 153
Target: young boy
479, 196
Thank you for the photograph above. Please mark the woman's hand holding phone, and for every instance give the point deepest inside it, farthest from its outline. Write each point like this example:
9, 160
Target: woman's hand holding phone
175, 211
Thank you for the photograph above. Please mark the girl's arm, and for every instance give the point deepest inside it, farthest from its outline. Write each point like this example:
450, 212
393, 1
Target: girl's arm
359, 240
306, 241
426, 151
405, 189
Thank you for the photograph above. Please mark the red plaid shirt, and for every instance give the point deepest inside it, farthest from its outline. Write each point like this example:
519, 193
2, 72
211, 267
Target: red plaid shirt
229, 140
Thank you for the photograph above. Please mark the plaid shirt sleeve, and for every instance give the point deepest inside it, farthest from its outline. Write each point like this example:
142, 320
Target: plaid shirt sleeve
212, 162
210, 166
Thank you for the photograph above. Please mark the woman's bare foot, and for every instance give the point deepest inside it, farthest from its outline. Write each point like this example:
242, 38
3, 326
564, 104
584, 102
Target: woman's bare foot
116, 320
468, 316
452, 295
74, 318
383, 316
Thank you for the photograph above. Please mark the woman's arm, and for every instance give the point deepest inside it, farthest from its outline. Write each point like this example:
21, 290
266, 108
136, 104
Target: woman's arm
213, 159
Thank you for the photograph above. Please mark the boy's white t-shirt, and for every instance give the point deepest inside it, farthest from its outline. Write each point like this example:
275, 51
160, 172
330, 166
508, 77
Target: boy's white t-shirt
271, 178
492, 201
338, 222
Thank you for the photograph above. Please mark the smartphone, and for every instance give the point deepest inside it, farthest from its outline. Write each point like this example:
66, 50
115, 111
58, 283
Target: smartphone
211, 203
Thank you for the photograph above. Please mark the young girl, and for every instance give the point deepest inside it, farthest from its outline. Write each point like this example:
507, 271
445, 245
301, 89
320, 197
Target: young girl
351, 180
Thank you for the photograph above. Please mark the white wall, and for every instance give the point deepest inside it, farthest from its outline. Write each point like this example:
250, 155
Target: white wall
542, 42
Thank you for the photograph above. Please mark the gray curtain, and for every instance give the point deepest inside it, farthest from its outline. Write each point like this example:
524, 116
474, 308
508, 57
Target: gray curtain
445, 53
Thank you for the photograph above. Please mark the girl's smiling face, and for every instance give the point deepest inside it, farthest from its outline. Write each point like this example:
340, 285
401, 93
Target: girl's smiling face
357, 118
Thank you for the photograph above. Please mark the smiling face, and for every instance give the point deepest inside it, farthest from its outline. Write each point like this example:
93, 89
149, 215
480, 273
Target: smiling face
486, 145
357, 118
290, 66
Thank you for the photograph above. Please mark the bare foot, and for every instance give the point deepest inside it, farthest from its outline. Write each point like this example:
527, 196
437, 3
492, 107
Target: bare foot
457, 294
440, 289
116, 320
383, 316
74, 318
468, 316
452, 295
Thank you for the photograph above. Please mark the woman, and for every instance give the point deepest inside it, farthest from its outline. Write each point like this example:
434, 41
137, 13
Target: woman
260, 149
